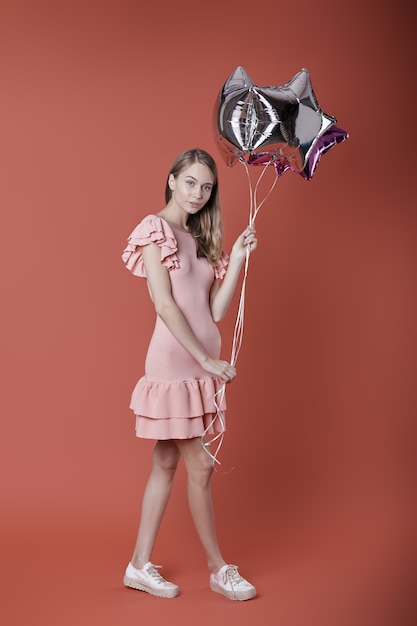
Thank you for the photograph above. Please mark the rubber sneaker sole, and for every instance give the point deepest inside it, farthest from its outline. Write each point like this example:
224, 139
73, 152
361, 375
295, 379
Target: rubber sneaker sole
160, 593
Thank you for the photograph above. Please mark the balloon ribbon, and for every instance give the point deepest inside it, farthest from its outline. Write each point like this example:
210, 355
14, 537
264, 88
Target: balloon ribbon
254, 207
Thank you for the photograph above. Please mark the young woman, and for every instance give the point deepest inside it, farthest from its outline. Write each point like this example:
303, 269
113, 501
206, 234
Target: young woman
191, 281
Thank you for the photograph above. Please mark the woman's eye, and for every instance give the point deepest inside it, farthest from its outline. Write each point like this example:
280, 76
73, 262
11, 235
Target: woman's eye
207, 188
190, 182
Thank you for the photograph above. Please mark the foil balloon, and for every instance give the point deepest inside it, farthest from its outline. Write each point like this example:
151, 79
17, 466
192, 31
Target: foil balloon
325, 142
274, 124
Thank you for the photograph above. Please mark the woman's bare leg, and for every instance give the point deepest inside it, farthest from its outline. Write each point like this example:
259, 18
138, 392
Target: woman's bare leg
199, 470
155, 499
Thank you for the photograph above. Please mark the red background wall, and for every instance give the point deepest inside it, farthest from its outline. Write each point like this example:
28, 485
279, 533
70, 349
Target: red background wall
97, 100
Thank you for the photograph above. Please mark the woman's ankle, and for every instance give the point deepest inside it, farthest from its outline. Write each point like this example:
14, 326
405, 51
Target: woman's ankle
215, 566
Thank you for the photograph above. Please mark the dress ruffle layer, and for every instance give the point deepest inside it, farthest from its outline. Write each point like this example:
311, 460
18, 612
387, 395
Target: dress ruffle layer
176, 399
163, 429
221, 267
178, 409
150, 230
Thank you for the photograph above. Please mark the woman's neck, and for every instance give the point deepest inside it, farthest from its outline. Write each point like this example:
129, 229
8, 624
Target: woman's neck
176, 219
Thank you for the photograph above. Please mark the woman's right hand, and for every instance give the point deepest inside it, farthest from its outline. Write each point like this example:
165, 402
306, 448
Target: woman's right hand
223, 369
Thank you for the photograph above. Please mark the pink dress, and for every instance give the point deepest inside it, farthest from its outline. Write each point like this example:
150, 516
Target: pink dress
175, 399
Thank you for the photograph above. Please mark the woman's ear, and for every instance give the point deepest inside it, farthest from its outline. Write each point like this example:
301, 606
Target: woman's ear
171, 181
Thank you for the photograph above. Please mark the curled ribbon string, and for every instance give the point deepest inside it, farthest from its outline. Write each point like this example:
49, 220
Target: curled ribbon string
239, 324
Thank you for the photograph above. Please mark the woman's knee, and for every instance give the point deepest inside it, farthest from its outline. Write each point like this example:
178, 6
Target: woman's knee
166, 456
202, 474
199, 465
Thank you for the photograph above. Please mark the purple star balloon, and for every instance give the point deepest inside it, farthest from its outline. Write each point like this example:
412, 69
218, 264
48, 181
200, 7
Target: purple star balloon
325, 142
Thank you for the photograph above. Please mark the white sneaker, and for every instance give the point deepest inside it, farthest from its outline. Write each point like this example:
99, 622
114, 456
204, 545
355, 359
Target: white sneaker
231, 584
150, 580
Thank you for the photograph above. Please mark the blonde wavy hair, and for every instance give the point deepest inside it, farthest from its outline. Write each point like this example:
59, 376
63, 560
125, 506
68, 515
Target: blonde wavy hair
206, 225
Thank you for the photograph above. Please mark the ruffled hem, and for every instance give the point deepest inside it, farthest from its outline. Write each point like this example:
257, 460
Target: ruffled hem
179, 399
152, 229
162, 429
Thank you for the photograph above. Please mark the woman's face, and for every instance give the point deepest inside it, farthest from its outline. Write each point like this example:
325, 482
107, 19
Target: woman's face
192, 187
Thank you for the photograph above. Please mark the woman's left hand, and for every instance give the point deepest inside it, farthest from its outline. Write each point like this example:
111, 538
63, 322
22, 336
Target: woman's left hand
245, 240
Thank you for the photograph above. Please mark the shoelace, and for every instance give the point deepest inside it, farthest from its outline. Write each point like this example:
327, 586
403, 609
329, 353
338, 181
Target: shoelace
153, 571
232, 575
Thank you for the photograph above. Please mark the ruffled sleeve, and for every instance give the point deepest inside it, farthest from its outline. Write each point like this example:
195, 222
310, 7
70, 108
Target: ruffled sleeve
152, 229
221, 267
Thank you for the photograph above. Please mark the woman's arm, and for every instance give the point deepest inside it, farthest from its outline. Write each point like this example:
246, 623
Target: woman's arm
221, 294
165, 306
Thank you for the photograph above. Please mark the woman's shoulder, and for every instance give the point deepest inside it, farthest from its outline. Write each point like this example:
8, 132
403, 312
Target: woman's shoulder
154, 226
154, 219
